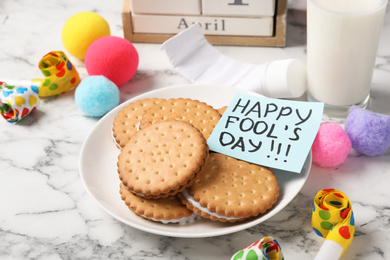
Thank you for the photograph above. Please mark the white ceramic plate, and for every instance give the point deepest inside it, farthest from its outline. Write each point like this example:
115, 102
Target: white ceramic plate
98, 170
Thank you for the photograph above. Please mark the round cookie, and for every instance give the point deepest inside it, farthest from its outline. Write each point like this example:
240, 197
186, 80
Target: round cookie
127, 120
165, 210
162, 159
199, 114
230, 190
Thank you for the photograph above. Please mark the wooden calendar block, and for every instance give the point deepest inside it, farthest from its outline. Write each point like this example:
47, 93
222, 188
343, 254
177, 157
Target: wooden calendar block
186, 7
277, 37
211, 25
238, 7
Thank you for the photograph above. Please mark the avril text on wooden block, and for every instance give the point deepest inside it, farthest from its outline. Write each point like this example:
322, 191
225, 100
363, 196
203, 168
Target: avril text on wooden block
211, 25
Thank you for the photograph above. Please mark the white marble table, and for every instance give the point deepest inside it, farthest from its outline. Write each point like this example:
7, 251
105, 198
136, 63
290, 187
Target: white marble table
46, 213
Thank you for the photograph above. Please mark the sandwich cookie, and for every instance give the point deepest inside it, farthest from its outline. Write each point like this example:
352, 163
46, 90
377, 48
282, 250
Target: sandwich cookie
165, 210
230, 190
127, 120
162, 159
199, 114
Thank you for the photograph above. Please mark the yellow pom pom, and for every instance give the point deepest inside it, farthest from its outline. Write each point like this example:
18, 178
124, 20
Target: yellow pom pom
81, 30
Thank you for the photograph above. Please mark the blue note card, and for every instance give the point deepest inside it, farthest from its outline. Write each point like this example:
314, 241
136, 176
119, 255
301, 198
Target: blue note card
272, 132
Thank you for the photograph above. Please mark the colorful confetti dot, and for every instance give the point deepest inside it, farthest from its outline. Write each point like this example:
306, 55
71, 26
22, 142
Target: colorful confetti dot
352, 220
326, 225
53, 86
344, 232
344, 213
325, 215
336, 203
46, 73
318, 232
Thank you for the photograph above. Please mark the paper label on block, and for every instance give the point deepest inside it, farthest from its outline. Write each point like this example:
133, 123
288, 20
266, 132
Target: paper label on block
182, 7
211, 25
239, 7
272, 132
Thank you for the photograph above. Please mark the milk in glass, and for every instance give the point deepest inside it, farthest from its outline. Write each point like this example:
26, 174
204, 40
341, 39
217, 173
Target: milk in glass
342, 41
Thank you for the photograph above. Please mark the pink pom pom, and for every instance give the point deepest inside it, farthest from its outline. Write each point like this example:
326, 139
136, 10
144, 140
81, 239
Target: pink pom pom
112, 57
331, 145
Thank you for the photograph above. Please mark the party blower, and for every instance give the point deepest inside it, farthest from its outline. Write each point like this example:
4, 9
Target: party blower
17, 102
266, 248
333, 219
59, 75
19, 97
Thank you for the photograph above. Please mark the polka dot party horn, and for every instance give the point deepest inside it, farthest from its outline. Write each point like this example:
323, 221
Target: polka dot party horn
60, 74
265, 249
333, 219
16, 102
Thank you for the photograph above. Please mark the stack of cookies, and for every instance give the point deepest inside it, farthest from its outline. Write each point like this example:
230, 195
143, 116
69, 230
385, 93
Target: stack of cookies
169, 175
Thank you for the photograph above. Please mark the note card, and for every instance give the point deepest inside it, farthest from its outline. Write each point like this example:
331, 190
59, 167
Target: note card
272, 132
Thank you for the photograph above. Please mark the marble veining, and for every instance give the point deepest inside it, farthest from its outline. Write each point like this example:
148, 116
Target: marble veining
45, 211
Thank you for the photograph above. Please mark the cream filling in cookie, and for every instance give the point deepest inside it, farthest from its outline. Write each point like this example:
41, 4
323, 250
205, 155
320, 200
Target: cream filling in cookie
113, 138
197, 205
135, 193
182, 221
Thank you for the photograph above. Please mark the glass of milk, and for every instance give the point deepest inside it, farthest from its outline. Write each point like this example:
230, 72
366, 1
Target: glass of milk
342, 41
